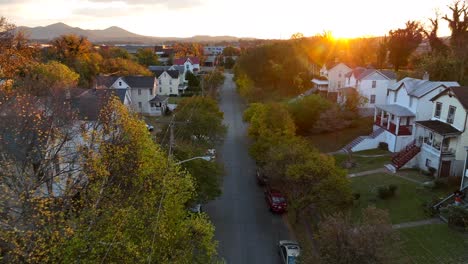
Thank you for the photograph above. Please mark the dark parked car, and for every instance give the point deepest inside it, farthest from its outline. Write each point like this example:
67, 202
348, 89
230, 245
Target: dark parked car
262, 179
275, 200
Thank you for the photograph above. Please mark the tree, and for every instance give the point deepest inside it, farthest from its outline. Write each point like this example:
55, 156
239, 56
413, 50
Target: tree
231, 51
371, 241
193, 81
147, 57
229, 62
382, 53
212, 82
310, 179
306, 111
402, 42
133, 208
123, 67
114, 53
43, 79
458, 24
201, 121
14, 50
437, 45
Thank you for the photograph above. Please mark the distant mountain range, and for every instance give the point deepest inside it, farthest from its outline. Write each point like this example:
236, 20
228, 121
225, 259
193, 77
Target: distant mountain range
111, 35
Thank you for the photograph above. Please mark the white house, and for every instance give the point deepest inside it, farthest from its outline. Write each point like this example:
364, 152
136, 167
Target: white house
336, 75
139, 91
213, 50
191, 64
371, 84
443, 137
168, 82
408, 101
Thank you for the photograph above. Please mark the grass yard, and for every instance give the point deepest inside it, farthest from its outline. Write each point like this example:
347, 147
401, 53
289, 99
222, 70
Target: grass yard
175, 100
406, 206
435, 244
329, 142
365, 163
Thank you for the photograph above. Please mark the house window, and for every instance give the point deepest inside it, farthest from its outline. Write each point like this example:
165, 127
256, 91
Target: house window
438, 109
170, 89
140, 105
339, 84
339, 75
410, 101
120, 83
395, 97
187, 66
374, 84
451, 114
160, 82
139, 91
428, 163
372, 99
170, 82
151, 91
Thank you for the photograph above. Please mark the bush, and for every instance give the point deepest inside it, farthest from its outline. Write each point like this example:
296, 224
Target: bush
429, 207
458, 217
385, 192
383, 146
440, 183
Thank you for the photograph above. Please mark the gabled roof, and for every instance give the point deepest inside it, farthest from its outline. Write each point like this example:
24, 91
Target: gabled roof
139, 81
173, 73
389, 74
333, 65
103, 81
460, 92
179, 68
356, 72
439, 127
158, 68
159, 98
418, 88
89, 103
181, 61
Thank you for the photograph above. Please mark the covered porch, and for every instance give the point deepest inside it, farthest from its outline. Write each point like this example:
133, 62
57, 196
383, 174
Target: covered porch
396, 119
438, 137
158, 105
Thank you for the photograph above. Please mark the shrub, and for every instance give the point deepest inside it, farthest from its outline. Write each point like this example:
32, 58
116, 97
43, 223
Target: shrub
439, 183
385, 192
383, 146
429, 206
458, 217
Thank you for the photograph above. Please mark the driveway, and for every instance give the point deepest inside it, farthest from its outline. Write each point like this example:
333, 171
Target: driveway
247, 232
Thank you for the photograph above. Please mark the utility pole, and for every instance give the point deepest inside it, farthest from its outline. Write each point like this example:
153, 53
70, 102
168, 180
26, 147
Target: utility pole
171, 139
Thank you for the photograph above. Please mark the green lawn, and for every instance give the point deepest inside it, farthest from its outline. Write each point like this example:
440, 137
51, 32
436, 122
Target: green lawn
329, 142
364, 163
175, 100
435, 244
406, 206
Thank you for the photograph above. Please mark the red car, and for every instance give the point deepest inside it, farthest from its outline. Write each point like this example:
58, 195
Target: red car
275, 200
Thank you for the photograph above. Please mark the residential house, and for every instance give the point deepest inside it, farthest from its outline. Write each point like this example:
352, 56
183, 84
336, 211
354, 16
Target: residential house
370, 84
336, 75
168, 82
443, 137
136, 91
191, 64
408, 101
183, 83
213, 50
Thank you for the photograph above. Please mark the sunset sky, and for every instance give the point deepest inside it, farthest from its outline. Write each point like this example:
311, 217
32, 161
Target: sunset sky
242, 18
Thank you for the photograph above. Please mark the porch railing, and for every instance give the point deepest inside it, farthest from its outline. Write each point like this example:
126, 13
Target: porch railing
402, 130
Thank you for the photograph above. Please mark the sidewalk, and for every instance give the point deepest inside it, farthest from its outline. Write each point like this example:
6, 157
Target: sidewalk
418, 223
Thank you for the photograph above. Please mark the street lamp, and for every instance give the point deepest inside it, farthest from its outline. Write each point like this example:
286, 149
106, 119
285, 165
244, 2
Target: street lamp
207, 158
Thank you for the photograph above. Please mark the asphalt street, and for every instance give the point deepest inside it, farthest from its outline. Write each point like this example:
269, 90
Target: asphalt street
246, 230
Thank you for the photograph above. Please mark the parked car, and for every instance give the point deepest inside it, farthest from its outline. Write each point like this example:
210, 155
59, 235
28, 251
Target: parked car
275, 200
289, 251
262, 179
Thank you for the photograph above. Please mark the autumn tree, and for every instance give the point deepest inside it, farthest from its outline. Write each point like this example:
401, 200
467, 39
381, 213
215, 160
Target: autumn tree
211, 83
373, 240
114, 53
382, 52
123, 67
147, 57
42, 79
14, 50
231, 51
403, 42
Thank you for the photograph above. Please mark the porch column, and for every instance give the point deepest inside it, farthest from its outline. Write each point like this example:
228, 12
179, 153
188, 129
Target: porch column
397, 125
375, 114
388, 121
381, 117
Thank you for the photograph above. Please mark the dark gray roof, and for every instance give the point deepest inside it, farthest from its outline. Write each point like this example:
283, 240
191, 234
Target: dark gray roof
173, 73
158, 68
159, 98
418, 87
389, 74
395, 109
439, 127
90, 103
356, 71
105, 81
139, 81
